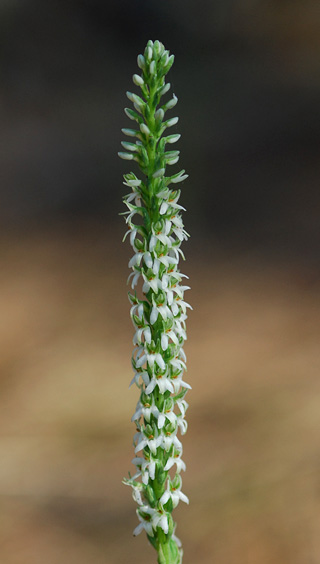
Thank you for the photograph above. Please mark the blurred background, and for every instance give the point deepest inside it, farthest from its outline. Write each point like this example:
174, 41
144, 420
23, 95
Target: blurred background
247, 77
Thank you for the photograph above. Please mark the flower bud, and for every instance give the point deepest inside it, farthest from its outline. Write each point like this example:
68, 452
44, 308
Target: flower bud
159, 115
141, 62
173, 138
171, 122
138, 80
171, 104
126, 156
130, 132
164, 89
145, 129
159, 173
152, 67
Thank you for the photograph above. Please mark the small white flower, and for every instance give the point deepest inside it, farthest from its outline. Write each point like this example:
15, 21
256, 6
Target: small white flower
182, 423
179, 304
175, 494
135, 275
159, 309
136, 378
144, 524
166, 415
146, 410
151, 442
143, 331
171, 439
146, 469
175, 460
162, 381
179, 383
169, 334
160, 520
151, 281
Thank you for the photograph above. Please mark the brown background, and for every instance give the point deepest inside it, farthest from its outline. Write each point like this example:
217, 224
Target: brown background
247, 78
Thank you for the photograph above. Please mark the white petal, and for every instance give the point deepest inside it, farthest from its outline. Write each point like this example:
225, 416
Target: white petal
153, 242
141, 445
165, 497
154, 285
141, 361
164, 342
163, 523
154, 315
163, 208
138, 529
151, 386
152, 469
147, 334
172, 417
147, 259
169, 464
160, 362
183, 497
161, 421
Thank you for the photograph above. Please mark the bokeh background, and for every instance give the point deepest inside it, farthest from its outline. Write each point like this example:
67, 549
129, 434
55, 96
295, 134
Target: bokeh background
248, 82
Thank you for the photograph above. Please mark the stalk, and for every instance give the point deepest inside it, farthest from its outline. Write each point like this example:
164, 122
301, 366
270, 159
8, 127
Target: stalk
158, 309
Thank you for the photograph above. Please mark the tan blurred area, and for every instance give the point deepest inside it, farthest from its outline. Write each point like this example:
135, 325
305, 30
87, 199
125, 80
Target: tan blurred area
252, 447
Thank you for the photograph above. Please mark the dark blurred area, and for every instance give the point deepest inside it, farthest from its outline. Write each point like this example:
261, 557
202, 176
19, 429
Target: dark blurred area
247, 77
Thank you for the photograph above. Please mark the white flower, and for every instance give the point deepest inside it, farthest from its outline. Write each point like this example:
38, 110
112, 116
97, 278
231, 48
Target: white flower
170, 440
160, 520
160, 234
138, 256
151, 442
146, 410
172, 202
178, 304
151, 358
179, 383
137, 490
159, 308
144, 524
146, 469
151, 281
166, 415
162, 381
183, 406
135, 275
169, 334
143, 331
175, 494
175, 459
182, 424
136, 378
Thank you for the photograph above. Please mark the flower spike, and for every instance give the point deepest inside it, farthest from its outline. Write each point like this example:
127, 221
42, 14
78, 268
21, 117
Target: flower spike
159, 316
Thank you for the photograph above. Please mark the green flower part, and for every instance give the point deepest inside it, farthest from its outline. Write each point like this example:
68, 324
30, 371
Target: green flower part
158, 308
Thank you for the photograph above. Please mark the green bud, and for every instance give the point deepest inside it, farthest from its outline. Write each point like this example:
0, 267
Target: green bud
141, 62
145, 129
138, 80
168, 64
132, 115
129, 146
126, 156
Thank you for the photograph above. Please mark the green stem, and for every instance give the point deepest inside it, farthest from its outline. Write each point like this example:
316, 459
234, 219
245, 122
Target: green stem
168, 551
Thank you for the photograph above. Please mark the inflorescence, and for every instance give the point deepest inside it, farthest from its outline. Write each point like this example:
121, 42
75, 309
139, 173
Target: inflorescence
158, 309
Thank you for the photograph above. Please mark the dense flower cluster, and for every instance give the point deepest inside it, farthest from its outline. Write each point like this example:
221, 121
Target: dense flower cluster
158, 308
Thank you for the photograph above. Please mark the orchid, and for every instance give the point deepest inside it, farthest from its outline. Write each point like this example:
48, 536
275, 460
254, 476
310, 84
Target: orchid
158, 307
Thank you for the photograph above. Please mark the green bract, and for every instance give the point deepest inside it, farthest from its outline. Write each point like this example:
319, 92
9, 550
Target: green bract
158, 308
